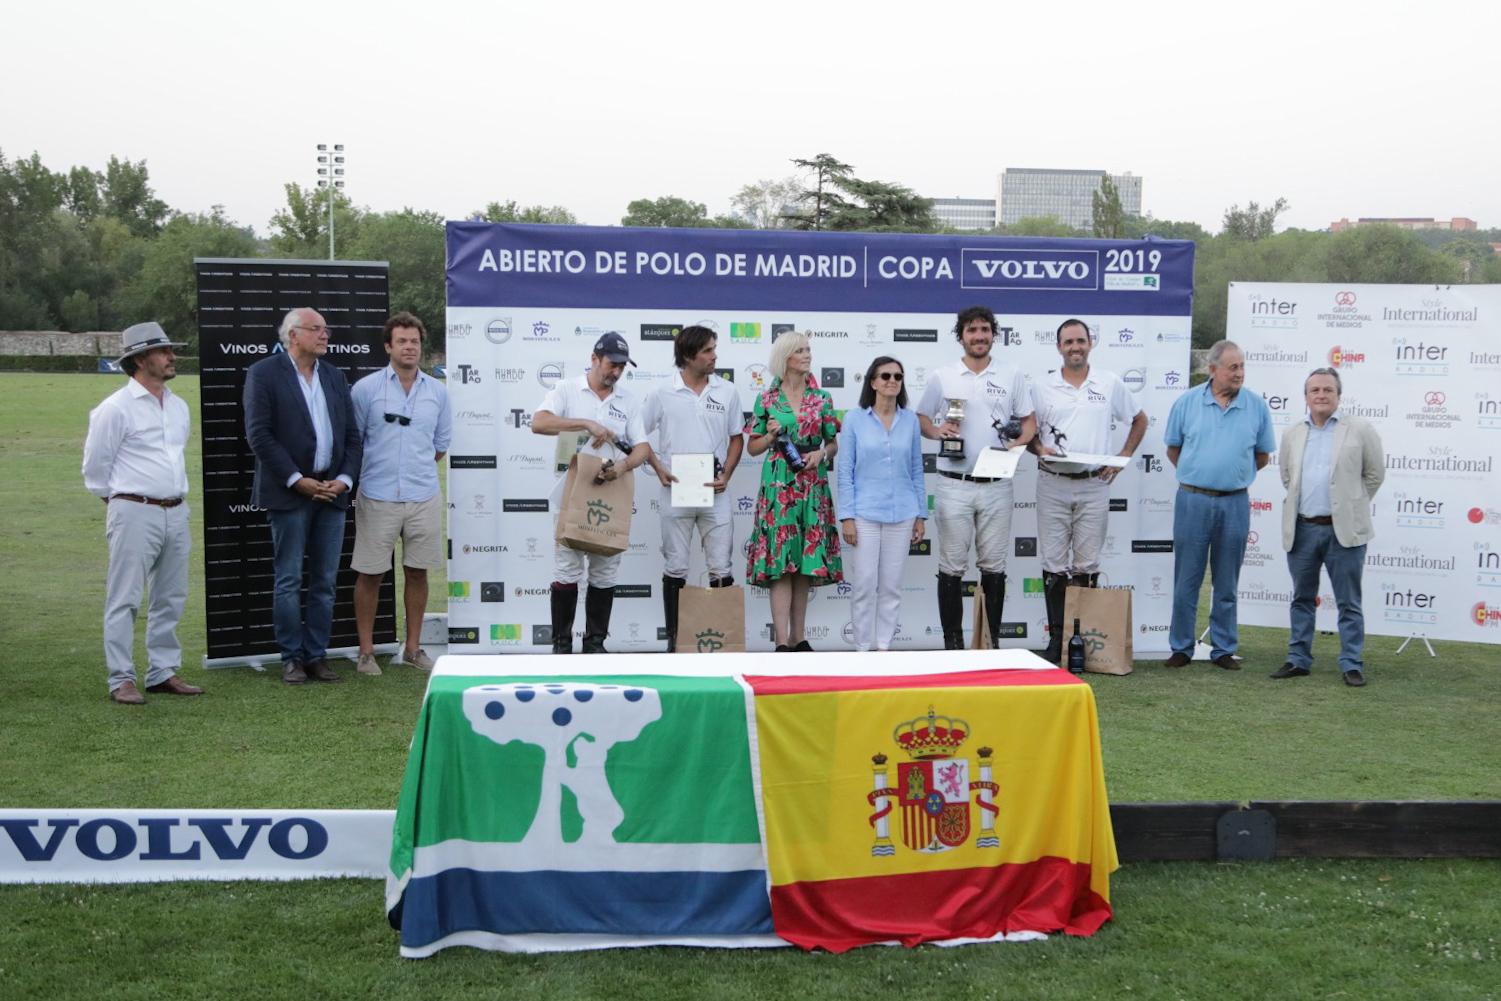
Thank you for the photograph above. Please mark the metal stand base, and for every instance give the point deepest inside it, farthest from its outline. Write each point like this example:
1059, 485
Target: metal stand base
259, 660
1416, 636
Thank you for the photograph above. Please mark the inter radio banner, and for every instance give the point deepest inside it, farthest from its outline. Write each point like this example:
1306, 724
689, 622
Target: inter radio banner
527, 303
1422, 364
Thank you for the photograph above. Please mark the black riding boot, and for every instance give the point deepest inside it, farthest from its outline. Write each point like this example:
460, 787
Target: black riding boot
672, 589
1054, 590
951, 611
565, 602
597, 604
994, 587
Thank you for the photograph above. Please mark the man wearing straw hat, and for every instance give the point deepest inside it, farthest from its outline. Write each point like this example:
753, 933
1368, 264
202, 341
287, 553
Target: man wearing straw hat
133, 461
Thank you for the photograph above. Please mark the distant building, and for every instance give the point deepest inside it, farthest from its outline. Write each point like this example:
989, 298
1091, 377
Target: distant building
965, 213
1067, 195
1458, 224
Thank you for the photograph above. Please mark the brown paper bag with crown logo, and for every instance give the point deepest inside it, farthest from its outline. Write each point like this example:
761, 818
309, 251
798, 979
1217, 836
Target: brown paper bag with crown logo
595, 518
711, 620
1104, 615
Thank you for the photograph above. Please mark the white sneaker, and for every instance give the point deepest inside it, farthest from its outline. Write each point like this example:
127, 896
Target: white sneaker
420, 660
367, 665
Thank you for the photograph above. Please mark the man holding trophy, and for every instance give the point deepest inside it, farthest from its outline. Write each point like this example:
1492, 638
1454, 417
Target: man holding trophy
975, 404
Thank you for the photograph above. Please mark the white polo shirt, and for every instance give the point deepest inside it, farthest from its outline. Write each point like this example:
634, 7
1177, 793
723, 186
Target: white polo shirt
1082, 415
999, 391
687, 422
620, 412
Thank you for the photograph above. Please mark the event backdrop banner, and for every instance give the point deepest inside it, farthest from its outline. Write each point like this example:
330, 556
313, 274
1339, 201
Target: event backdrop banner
1422, 364
526, 304
240, 307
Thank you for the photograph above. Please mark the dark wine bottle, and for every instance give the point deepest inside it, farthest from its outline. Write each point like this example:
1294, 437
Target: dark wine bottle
1076, 651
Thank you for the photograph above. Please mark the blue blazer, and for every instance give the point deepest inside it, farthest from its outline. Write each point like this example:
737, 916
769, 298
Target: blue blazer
281, 433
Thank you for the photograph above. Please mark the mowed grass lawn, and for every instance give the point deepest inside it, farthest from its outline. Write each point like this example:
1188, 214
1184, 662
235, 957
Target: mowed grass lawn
1423, 729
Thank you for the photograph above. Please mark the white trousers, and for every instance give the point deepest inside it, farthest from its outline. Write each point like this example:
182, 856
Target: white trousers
569, 566
714, 529
148, 550
1072, 517
977, 514
873, 566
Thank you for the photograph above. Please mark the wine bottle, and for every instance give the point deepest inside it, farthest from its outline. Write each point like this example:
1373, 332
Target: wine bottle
1076, 651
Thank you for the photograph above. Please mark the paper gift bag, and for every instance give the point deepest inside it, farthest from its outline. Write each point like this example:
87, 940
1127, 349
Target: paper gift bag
1104, 616
595, 518
711, 620
980, 637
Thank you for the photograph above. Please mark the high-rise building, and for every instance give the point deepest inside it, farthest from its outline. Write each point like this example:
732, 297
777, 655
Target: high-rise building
1067, 195
965, 213
1456, 224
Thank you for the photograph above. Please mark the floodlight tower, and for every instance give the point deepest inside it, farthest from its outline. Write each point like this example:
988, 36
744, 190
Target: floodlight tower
331, 176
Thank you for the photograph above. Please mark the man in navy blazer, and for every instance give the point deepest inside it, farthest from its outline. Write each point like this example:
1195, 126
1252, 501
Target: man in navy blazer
299, 420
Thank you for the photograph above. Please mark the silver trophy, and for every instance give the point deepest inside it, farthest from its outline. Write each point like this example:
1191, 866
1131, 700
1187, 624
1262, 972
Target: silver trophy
952, 448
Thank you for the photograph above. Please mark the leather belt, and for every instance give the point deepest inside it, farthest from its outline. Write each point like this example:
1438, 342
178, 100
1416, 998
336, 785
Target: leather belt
1318, 519
968, 478
1090, 474
169, 502
1210, 493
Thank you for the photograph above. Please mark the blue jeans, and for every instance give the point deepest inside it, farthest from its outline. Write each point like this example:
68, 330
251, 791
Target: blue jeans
1208, 530
1315, 546
316, 530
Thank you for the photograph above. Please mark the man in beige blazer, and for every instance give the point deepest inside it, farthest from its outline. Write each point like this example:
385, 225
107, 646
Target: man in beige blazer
1332, 465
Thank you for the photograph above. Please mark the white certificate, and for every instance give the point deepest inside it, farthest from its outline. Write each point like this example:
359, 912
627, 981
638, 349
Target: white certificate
1092, 459
693, 470
997, 463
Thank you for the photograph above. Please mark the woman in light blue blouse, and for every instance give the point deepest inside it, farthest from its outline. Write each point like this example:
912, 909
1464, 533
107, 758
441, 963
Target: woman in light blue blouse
882, 501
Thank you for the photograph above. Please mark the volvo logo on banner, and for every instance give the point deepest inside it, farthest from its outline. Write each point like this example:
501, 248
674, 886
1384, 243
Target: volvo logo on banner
133, 846
1075, 270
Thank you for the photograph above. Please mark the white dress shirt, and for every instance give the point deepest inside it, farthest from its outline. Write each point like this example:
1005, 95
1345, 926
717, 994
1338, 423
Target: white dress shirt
135, 444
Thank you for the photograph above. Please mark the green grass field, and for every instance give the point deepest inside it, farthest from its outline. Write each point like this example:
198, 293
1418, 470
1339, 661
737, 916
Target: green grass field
1424, 729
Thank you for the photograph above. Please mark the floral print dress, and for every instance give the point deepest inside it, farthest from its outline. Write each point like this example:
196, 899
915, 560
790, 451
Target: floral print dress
794, 531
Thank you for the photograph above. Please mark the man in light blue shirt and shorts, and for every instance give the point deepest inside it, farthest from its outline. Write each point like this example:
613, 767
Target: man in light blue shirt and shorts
404, 421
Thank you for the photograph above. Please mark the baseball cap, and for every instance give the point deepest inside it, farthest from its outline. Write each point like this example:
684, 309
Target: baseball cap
612, 347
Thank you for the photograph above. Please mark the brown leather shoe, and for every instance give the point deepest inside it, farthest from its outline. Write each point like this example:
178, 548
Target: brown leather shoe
319, 670
128, 695
1227, 662
292, 672
174, 686
1178, 660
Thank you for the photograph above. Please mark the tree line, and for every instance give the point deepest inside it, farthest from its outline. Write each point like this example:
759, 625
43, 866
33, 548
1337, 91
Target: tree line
83, 249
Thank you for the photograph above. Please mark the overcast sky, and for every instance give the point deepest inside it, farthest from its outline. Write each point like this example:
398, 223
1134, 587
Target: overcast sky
1345, 109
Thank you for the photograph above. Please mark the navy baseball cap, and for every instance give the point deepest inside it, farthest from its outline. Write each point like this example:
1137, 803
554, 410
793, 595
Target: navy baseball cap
612, 347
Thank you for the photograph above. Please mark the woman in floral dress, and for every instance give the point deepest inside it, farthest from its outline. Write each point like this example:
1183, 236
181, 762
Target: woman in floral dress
794, 543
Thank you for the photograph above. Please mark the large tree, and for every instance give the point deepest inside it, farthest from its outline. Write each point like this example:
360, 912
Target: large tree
1107, 216
165, 288
822, 198
511, 212
1253, 222
300, 229
412, 242
766, 204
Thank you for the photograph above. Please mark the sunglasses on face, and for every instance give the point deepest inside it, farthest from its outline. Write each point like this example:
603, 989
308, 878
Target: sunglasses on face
889, 376
401, 419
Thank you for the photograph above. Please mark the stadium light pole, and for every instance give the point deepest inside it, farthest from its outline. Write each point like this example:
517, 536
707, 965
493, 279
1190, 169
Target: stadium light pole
331, 176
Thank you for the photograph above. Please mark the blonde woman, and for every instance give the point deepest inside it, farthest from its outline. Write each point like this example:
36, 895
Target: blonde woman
794, 543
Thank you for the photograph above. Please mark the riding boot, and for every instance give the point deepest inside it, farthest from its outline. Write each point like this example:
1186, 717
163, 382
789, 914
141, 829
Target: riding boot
994, 587
951, 611
565, 603
722, 581
672, 589
1054, 589
597, 604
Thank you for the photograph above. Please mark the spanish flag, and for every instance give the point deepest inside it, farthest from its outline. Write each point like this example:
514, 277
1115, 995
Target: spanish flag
932, 807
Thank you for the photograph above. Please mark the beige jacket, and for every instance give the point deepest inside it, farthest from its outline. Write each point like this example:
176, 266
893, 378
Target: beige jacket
1356, 473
